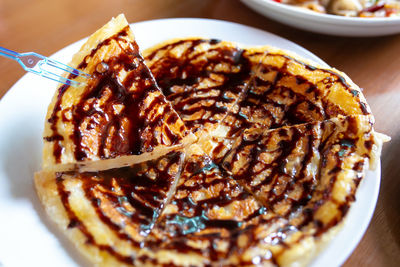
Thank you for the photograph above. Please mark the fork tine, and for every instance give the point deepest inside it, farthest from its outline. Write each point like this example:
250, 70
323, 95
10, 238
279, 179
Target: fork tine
61, 66
59, 78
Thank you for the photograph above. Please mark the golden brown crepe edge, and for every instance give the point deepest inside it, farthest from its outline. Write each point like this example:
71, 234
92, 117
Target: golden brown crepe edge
113, 26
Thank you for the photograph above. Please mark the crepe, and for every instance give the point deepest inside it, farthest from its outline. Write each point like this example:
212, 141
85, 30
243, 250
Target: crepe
118, 117
108, 214
204, 79
224, 88
291, 167
244, 156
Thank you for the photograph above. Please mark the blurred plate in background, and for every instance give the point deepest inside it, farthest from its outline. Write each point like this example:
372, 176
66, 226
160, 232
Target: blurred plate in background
308, 20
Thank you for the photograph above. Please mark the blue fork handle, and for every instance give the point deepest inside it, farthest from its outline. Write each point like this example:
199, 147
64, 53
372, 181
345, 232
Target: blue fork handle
19, 58
43, 66
8, 53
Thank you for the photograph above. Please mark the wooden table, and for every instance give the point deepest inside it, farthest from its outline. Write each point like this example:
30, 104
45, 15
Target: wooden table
45, 26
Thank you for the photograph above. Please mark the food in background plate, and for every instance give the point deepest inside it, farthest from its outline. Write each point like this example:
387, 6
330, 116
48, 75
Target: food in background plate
262, 154
350, 8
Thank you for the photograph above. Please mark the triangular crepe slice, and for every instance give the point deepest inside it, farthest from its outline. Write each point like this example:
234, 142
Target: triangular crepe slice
273, 240
108, 214
118, 117
307, 175
286, 167
200, 224
287, 90
203, 79
211, 221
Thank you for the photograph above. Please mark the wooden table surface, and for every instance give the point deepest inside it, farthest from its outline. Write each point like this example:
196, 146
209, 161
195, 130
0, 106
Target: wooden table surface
45, 26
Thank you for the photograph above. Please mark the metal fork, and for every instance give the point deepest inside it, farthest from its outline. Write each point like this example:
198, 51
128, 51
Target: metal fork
44, 66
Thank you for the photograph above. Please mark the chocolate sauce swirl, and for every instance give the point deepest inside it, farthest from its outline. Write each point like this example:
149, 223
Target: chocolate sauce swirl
123, 199
202, 84
287, 174
120, 110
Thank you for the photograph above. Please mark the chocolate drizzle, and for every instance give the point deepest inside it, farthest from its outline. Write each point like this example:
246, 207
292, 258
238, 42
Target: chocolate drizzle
287, 190
115, 114
197, 219
279, 179
222, 72
273, 98
75, 222
137, 195
281, 182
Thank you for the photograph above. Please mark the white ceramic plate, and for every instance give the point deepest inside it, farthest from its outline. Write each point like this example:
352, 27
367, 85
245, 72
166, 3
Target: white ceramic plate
28, 238
324, 23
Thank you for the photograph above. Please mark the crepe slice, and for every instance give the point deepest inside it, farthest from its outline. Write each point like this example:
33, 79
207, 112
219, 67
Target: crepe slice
108, 214
286, 90
307, 176
223, 88
319, 162
212, 221
200, 224
203, 78
289, 90
117, 118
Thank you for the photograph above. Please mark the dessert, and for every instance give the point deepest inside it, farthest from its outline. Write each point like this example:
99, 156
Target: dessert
118, 117
282, 90
107, 214
244, 156
312, 164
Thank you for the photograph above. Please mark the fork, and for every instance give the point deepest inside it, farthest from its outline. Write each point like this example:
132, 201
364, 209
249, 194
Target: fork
44, 66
